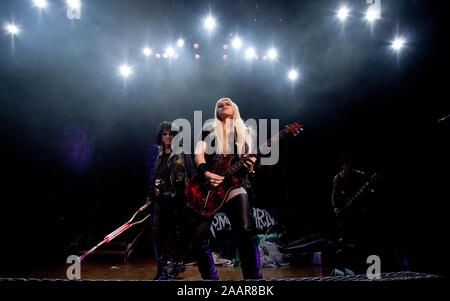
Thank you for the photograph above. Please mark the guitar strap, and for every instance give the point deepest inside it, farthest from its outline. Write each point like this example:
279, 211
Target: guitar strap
179, 168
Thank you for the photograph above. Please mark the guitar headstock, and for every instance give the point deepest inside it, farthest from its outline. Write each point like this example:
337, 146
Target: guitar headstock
294, 128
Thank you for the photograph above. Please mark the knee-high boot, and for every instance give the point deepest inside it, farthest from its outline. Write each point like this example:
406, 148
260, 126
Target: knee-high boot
250, 263
206, 265
161, 260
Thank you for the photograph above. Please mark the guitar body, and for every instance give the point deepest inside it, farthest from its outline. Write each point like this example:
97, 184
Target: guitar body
205, 199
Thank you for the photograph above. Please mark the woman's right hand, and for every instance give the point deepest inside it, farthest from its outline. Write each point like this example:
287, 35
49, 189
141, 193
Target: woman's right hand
213, 179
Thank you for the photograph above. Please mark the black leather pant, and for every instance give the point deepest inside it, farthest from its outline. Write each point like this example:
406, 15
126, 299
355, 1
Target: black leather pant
237, 210
198, 228
168, 229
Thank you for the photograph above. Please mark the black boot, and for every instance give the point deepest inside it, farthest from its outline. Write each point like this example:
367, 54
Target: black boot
161, 274
250, 263
177, 268
206, 265
161, 260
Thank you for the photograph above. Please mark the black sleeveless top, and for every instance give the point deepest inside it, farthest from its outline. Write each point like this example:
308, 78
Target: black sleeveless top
213, 159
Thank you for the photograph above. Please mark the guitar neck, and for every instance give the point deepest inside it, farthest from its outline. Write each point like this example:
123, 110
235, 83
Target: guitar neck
262, 149
363, 189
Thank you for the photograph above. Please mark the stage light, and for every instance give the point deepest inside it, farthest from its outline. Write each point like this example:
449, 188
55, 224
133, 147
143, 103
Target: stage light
209, 23
250, 53
265, 57
12, 29
398, 44
292, 75
197, 56
237, 43
343, 13
170, 51
225, 46
195, 46
40, 3
146, 51
158, 55
165, 55
372, 14
272, 54
180, 42
125, 70
225, 56
74, 4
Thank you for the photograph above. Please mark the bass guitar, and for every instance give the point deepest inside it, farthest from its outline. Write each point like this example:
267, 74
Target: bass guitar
346, 208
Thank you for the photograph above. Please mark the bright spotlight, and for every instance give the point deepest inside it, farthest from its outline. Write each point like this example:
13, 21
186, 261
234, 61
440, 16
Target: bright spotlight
74, 4
343, 13
250, 53
272, 54
170, 51
209, 23
180, 42
372, 15
292, 75
237, 43
398, 44
146, 51
125, 70
40, 3
12, 29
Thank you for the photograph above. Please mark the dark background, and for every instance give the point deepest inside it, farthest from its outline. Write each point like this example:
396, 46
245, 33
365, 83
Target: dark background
77, 139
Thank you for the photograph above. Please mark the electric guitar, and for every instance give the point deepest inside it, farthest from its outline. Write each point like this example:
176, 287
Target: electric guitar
206, 199
346, 208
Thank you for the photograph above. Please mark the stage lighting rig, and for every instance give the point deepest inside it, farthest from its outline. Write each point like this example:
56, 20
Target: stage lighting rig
12, 29
209, 23
293, 75
40, 3
398, 43
146, 51
343, 13
237, 43
125, 71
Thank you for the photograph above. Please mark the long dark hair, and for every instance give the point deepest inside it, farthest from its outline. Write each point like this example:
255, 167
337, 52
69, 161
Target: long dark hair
165, 125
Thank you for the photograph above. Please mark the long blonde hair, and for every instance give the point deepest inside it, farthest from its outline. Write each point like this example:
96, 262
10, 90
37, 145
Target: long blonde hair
242, 134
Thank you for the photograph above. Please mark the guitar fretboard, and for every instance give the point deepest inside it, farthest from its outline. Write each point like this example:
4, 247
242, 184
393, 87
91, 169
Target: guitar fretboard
262, 149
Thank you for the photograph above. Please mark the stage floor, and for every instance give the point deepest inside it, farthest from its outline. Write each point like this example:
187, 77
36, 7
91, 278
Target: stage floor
145, 269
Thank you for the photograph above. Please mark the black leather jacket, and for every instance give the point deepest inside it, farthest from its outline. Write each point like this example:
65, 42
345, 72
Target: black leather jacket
182, 168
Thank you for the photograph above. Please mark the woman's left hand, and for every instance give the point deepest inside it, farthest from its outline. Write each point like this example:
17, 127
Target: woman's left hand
249, 162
